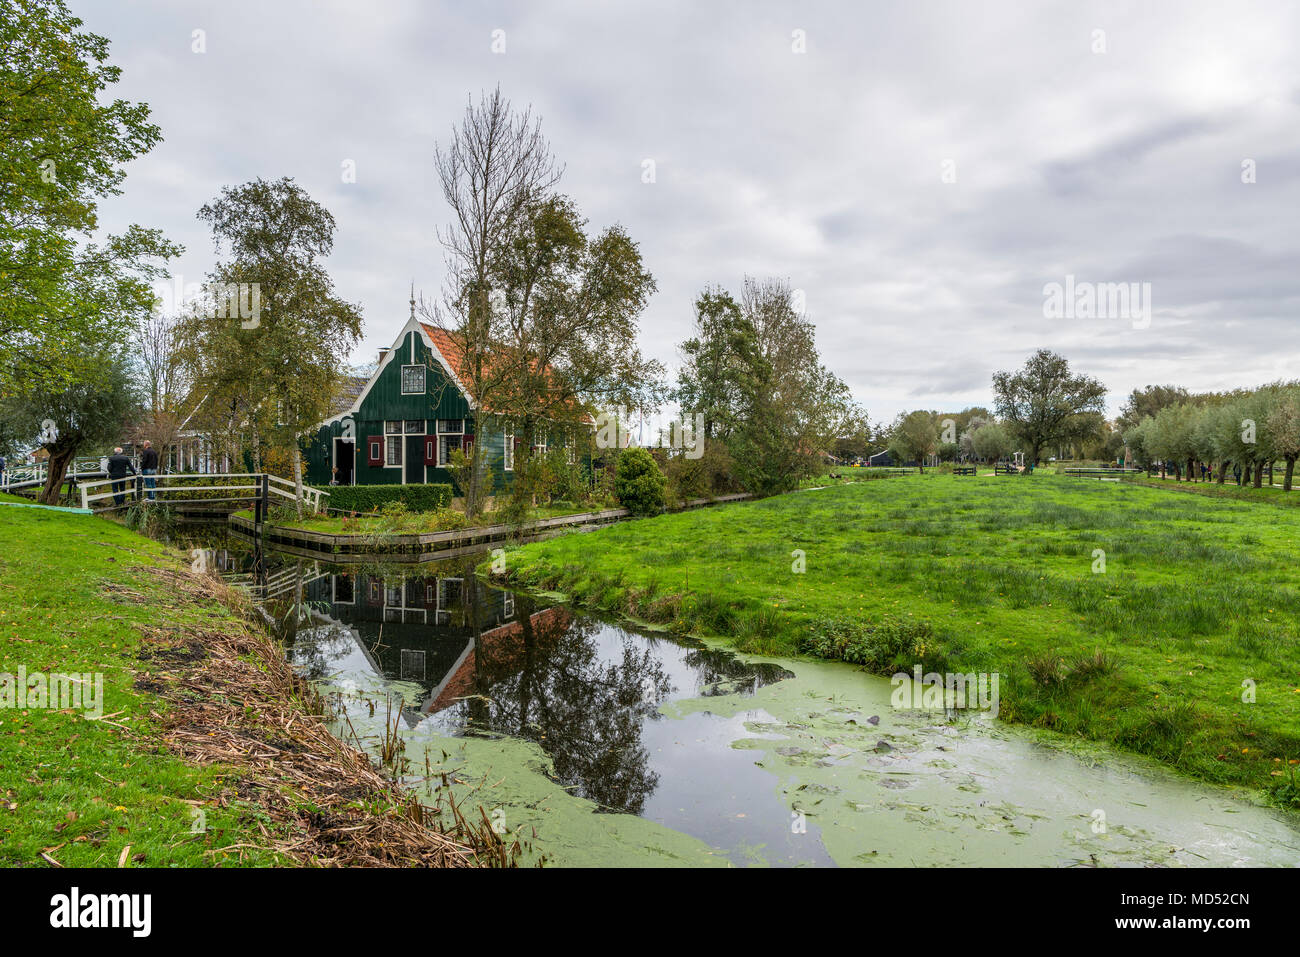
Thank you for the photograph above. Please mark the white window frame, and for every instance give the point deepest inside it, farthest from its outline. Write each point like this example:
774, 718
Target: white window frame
423, 381
444, 454
388, 451
508, 451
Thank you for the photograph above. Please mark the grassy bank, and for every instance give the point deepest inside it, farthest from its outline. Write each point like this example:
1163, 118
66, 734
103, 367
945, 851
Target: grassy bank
399, 521
205, 750
1112, 611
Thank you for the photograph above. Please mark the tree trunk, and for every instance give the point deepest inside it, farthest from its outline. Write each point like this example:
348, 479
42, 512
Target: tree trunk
297, 475
1223, 471
1290, 472
56, 469
1259, 474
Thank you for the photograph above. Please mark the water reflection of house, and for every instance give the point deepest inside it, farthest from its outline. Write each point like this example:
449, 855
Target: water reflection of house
504, 645
417, 627
435, 631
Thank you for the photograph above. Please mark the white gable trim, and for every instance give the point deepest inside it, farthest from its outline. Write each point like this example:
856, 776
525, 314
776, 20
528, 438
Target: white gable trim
393, 355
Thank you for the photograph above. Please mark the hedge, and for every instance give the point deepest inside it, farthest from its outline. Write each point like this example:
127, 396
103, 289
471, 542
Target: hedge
367, 498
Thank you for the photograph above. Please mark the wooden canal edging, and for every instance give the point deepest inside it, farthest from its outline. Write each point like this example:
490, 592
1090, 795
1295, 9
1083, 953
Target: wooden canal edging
431, 546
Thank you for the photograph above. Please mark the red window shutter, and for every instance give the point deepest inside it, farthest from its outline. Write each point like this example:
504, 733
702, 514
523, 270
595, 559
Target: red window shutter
467, 444
431, 451
375, 450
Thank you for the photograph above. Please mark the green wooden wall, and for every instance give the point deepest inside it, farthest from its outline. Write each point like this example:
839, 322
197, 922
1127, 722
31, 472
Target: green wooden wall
385, 401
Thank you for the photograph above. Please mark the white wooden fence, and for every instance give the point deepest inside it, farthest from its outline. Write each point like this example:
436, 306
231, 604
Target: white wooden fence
195, 488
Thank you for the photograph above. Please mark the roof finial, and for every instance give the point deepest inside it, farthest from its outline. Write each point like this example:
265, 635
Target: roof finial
412, 298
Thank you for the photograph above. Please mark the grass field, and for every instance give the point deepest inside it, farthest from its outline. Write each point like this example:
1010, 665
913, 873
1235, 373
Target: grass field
1112, 611
78, 789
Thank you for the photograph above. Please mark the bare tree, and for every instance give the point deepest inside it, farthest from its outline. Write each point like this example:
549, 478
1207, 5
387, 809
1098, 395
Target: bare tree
496, 164
166, 385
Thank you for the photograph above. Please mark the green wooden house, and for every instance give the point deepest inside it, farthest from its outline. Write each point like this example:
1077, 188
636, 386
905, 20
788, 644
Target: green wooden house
405, 422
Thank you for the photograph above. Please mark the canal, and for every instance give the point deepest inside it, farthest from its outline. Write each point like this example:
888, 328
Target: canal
601, 744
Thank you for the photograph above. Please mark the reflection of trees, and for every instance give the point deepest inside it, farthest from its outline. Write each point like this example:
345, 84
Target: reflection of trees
721, 671
544, 681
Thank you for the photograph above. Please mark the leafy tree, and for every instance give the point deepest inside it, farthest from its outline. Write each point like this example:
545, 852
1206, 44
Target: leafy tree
638, 482
63, 147
1145, 403
1173, 437
1283, 424
278, 369
791, 407
90, 412
915, 437
712, 377
566, 309
991, 442
1044, 404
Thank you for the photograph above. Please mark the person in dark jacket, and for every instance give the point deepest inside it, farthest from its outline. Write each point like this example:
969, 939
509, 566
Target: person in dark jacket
149, 468
118, 467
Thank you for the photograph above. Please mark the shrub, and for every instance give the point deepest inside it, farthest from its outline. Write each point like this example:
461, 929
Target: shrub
1046, 670
368, 498
687, 479
638, 483
445, 520
884, 647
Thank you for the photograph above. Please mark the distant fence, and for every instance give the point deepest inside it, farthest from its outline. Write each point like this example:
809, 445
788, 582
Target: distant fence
33, 476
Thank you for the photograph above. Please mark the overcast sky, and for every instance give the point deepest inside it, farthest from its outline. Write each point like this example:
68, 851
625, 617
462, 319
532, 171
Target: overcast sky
921, 171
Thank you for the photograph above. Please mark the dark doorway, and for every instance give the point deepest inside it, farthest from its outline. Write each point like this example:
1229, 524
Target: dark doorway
345, 456
414, 459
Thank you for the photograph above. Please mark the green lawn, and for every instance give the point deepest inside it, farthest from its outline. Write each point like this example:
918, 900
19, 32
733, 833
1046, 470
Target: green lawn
82, 790
1197, 595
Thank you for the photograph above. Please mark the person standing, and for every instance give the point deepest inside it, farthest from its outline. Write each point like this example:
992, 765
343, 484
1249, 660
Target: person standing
2, 470
118, 467
149, 468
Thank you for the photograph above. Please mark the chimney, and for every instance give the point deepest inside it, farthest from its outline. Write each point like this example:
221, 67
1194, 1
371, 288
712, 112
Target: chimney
382, 354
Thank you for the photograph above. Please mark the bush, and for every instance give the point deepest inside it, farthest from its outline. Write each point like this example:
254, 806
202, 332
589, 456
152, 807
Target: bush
885, 647
369, 498
638, 483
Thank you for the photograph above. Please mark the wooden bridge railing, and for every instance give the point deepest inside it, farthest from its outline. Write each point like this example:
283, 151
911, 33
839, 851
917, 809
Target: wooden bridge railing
253, 488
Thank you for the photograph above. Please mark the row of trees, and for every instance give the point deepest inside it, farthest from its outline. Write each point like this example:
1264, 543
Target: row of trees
1041, 407
1246, 431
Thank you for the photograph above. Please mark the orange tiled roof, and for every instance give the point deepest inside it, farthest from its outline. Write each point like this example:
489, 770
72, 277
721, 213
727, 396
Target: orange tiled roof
454, 356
